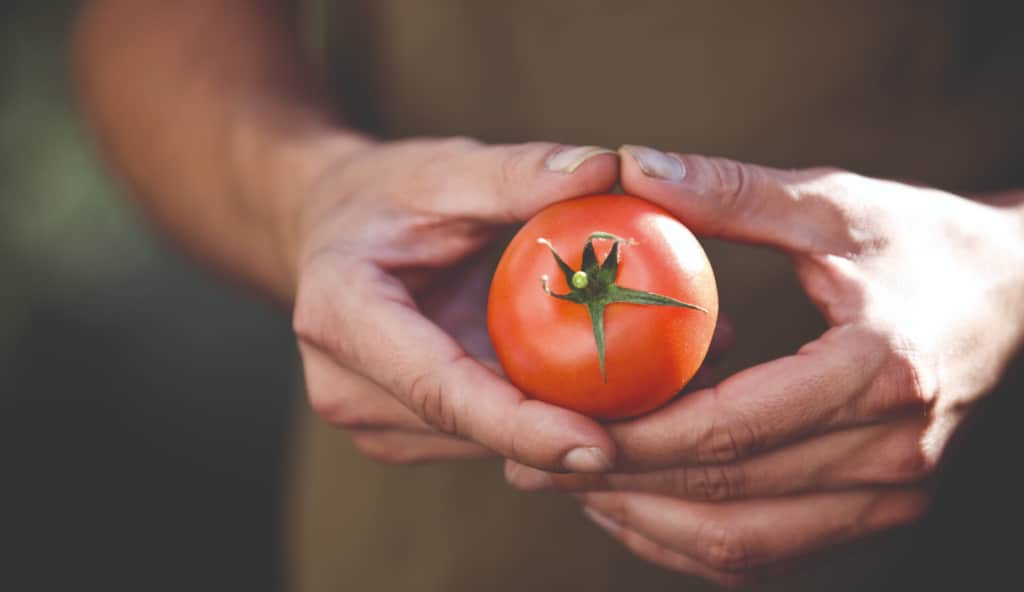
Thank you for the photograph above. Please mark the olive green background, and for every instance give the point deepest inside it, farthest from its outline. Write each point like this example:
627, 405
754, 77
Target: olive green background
143, 404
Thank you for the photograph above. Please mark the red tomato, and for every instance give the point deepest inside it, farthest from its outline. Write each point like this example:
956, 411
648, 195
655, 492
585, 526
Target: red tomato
658, 317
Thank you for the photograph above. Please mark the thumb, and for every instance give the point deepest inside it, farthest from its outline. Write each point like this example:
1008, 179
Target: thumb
370, 325
794, 210
511, 183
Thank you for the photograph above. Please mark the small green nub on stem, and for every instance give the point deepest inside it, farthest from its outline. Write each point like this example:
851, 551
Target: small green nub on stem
580, 280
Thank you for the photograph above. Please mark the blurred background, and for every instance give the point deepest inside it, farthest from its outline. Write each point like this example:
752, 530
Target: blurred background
143, 405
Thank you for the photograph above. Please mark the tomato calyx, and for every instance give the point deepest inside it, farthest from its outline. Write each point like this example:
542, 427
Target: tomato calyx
593, 286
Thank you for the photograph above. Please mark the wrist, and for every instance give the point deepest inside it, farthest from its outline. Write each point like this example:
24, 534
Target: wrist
276, 167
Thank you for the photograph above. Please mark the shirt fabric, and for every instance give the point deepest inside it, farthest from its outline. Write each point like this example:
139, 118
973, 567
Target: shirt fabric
924, 91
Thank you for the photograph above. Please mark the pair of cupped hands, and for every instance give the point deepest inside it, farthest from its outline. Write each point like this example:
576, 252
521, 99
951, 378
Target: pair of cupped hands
923, 291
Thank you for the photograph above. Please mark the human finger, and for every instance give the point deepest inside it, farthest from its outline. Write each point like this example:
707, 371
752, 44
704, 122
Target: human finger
793, 210
369, 323
848, 377
350, 401
881, 454
745, 535
661, 555
511, 182
397, 447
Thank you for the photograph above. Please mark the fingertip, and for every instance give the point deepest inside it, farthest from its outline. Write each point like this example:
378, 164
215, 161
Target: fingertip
587, 459
575, 171
654, 164
642, 166
567, 159
664, 178
539, 174
555, 439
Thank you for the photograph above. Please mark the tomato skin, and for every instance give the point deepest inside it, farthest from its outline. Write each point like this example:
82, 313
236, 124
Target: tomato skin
546, 346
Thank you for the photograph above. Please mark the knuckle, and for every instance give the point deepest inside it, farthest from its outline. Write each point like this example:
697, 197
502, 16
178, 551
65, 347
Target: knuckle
713, 482
912, 377
724, 549
724, 443
429, 398
512, 169
671, 481
734, 181
905, 380
844, 222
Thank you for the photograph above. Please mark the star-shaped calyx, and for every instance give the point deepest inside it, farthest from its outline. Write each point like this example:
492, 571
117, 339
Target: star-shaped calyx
594, 286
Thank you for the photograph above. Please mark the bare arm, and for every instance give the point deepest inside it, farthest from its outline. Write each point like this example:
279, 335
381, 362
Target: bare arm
209, 111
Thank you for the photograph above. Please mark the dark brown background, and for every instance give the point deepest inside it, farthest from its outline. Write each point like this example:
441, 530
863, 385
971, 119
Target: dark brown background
143, 405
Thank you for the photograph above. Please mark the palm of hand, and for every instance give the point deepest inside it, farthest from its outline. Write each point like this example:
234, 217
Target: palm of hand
456, 300
391, 304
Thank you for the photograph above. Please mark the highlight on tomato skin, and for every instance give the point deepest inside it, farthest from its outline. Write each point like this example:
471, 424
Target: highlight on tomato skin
604, 304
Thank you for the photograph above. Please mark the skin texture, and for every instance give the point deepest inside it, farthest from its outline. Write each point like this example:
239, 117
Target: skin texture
392, 295
838, 441
209, 113
546, 346
378, 250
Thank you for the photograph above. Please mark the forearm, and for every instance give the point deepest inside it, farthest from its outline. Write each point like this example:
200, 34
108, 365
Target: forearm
209, 112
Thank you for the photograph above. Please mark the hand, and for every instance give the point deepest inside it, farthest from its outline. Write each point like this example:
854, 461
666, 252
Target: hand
924, 294
391, 303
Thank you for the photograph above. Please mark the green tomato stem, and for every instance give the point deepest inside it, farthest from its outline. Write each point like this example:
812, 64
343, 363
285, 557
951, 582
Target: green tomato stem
594, 286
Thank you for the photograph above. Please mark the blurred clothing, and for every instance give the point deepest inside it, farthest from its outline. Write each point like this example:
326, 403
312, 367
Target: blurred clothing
922, 91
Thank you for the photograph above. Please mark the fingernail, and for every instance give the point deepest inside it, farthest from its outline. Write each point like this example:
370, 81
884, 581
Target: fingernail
589, 459
602, 520
656, 164
569, 158
528, 478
